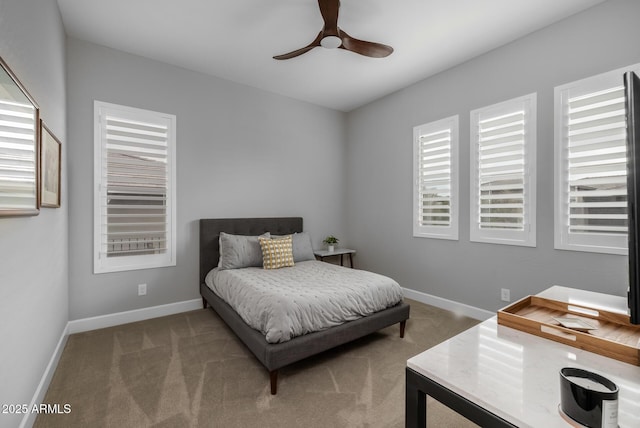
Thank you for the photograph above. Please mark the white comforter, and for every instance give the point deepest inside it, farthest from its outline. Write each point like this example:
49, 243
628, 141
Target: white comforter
310, 296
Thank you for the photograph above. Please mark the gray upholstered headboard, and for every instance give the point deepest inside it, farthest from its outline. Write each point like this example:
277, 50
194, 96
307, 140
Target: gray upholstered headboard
210, 229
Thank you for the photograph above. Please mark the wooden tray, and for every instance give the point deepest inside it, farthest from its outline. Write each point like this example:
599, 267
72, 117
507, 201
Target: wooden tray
614, 336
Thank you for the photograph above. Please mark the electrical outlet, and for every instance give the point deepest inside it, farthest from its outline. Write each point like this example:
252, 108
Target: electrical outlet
142, 289
505, 295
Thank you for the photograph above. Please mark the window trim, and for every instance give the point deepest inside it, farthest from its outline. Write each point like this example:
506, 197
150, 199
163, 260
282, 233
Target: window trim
134, 262
607, 244
526, 237
436, 232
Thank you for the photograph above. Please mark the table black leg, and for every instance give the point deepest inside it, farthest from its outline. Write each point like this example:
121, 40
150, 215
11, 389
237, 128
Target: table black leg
341, 260
415, 403
418, 387
351, 260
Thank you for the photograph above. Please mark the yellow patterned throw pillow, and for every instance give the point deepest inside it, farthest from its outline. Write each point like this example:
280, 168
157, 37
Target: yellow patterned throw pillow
277, 253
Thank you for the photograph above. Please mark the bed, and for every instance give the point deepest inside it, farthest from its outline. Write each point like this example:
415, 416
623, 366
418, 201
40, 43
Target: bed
277, 355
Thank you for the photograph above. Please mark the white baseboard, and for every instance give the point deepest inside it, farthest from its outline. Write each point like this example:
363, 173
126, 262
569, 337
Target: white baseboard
450, 305
103, 321
93, 323
30, 417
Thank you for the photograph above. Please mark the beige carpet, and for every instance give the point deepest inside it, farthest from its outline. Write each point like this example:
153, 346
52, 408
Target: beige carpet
189, 370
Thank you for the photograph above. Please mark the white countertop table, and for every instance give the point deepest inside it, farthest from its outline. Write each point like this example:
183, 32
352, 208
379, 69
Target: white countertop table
499, 376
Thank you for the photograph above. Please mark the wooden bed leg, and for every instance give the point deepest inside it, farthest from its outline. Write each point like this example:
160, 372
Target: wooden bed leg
204, 303
402, 325
273, 375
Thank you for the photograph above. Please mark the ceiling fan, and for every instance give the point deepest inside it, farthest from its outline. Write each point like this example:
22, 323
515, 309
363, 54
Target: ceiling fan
331, 37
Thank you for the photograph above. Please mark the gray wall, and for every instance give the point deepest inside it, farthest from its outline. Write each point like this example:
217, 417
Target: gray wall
33, 250
379, 165
241, 152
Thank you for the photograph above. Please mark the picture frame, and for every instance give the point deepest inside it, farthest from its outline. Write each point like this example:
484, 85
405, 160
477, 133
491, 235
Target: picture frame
50, 168
19, 148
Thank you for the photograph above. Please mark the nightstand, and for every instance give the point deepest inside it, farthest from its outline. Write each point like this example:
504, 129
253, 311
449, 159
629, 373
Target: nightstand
337, 252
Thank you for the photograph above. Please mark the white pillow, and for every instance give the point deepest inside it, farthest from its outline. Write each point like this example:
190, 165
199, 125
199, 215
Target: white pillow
240, 251
302, 249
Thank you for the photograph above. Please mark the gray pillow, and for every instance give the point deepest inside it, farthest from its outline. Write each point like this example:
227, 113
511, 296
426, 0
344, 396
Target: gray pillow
302, 249
239, 251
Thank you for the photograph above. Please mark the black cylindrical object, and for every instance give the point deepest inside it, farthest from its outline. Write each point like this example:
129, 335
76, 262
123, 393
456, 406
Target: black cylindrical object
588, 398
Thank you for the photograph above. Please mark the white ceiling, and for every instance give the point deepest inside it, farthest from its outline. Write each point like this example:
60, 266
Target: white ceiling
236, 39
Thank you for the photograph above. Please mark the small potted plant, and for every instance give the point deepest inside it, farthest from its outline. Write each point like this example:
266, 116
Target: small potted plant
331, 241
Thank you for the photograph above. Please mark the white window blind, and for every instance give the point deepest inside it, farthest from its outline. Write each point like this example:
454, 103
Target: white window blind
135, 195
591, 186
436, 179
597, 163
18, 156
503, 179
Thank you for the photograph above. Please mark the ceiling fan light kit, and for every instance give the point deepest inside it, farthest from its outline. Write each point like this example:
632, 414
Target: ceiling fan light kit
332, 37
331, 42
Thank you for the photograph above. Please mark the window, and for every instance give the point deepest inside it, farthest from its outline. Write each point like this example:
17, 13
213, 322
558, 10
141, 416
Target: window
435, 174
590, 158
135, 201
503, 173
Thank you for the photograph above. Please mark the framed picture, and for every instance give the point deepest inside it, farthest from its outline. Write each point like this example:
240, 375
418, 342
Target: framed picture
50, 164
19, 147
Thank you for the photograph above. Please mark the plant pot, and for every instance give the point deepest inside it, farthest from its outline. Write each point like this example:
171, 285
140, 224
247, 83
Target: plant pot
331, 248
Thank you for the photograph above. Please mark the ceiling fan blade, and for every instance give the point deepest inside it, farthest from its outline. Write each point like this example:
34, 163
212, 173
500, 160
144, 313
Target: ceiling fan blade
300, 51
371, 49
295, 53
329, 10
